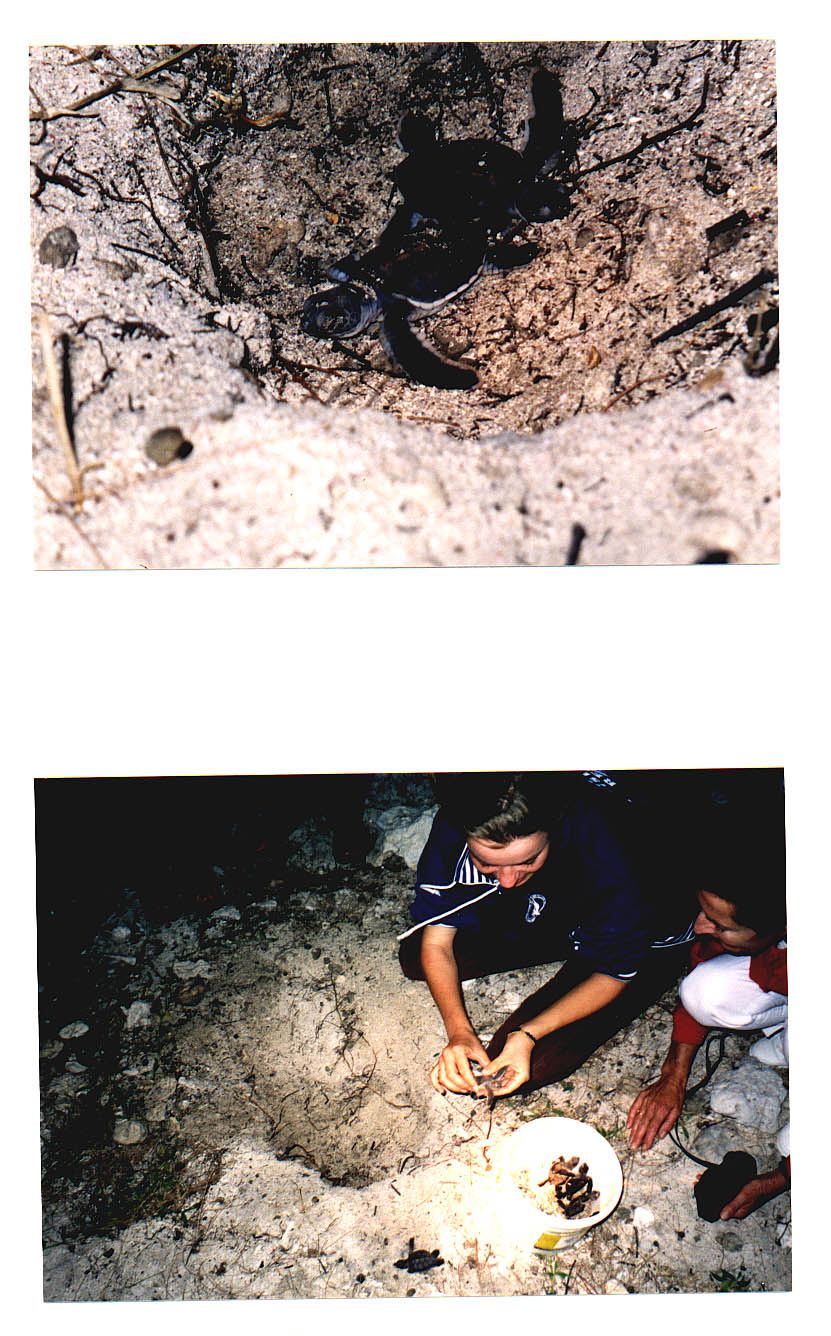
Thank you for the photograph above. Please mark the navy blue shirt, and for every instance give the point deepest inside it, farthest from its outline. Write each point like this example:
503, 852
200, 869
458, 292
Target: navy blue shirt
587, 895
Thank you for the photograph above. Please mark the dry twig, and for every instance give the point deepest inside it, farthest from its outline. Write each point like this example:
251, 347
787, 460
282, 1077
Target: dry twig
76, 474
118, 86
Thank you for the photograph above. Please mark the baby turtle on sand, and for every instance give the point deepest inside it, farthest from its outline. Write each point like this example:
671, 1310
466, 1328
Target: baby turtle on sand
418, 1259
415, 269
463, 202
465, 179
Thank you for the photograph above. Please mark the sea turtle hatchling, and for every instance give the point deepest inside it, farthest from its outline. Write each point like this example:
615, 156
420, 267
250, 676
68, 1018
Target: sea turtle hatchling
457, 180
416, 268
463, 202
419, 1259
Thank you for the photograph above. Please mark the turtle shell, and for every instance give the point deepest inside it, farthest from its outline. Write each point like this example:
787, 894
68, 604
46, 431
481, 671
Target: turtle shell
428, 266
463, 180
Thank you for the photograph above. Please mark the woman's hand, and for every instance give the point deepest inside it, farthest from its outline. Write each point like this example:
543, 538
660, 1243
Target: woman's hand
452, 1071
516, 1058
655, 1110
755, 1194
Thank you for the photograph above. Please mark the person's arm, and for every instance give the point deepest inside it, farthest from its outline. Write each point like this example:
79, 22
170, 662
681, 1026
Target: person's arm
452, 1071
759, 1190
656, 1109
595, 992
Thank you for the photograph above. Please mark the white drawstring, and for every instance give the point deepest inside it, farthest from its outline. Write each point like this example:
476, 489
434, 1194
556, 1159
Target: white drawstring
446, 913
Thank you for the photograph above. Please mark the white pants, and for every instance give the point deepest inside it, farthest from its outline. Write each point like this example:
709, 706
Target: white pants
721, 993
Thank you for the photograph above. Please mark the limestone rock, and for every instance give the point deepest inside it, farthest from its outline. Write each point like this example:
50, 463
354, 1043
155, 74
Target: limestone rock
404, 831
752, 1094
129, 1131
138, 1013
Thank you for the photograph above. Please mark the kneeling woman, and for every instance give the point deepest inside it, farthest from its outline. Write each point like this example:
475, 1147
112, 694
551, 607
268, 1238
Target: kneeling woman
525, 869
738, 981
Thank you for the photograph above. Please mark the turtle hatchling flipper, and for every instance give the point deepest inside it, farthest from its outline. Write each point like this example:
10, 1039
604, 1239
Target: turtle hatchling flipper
502, 256
545, 127
419, 361
348, 267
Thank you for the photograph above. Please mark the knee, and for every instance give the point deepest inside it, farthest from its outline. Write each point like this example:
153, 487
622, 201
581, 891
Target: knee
409, 957
706, 995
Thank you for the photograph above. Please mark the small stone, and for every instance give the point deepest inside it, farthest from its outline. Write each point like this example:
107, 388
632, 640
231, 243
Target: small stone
281, 106
129, 1131
74, 1030
121, 934
51, 1049
138, 1013
58, 248
192, 969
167, 444
295, 229
68, 1086
226, 913
75, 1067
119, 269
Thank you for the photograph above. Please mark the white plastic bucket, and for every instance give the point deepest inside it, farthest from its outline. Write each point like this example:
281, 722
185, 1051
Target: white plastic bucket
532, 1148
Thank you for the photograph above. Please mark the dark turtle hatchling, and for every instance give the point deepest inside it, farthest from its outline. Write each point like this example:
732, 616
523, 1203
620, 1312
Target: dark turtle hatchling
465, 179
416, 268
463, 202
418, 1259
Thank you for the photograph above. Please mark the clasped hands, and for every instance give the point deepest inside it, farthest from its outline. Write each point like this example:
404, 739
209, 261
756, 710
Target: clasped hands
453, 1070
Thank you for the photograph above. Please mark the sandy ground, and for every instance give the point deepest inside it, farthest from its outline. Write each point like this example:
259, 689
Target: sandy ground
274, 1061
205, 202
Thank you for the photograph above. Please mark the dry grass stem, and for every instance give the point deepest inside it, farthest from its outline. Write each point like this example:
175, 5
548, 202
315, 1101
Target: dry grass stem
72, 520
53, 386
118, 86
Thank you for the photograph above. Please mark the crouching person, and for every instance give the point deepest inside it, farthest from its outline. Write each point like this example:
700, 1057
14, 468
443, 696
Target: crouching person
738, 981
524, 869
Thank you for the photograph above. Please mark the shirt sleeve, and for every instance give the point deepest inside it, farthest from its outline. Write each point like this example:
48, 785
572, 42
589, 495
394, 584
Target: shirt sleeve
770, 970
437, 892
685, 1028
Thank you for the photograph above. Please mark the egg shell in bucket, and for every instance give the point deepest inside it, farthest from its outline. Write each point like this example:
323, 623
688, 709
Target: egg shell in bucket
532, 1148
